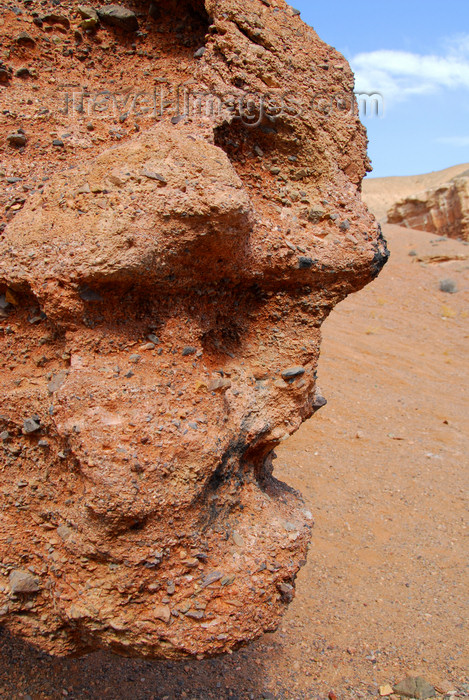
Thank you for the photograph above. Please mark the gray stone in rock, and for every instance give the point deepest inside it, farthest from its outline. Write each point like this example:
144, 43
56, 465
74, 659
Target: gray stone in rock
118, 16
188, 350
16, 140
237, 539
23, 72
195, 614
286, 591
210, 578
315, 215
417, 688
449, 286
153, 338
345, 225
55, 18
318, 402
31, 425
305, 263
5, 75
58, 142
64, 532
154, 176
200, 52
37, 318
135, 358
24, 39
295, 11
88, 12
23, 582
293, 372
300, 174
57, 381
219, 384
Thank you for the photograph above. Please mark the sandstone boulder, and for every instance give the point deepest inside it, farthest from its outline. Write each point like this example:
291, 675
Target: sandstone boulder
160, 331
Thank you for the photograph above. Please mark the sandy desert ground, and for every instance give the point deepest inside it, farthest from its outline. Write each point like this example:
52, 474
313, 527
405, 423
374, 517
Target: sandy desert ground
380, 193
383, 469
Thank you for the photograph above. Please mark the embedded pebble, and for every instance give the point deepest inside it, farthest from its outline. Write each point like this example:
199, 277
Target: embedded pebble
22, 581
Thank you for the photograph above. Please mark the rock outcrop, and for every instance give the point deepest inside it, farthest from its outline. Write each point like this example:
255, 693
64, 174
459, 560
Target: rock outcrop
443, 210
161, 306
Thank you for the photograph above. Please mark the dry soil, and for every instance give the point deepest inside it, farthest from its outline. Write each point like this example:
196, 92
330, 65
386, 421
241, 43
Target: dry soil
383, 469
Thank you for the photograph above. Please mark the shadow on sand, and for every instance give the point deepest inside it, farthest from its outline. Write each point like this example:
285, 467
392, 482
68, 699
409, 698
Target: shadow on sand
27, 673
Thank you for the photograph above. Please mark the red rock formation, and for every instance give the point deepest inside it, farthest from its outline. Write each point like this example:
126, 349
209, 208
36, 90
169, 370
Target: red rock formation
162, 304
443, 210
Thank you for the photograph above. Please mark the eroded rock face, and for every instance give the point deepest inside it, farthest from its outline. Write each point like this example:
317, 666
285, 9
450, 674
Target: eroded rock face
161, 307
443, 210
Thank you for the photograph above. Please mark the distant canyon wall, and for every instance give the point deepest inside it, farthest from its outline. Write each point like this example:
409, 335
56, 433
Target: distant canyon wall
443, 210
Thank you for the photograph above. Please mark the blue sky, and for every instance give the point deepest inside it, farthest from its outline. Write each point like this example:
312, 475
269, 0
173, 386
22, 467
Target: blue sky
416, 54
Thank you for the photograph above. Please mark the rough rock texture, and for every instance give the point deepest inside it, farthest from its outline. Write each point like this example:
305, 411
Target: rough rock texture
443, 210
161, 307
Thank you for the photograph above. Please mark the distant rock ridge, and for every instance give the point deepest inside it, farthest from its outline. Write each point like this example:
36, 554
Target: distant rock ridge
442, 210
381, 193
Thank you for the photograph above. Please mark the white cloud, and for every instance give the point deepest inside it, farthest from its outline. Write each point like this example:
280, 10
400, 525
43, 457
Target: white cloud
458, 45
398, 75
458, 141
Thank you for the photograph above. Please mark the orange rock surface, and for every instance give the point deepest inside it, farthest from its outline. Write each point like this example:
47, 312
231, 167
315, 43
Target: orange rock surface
161, 305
